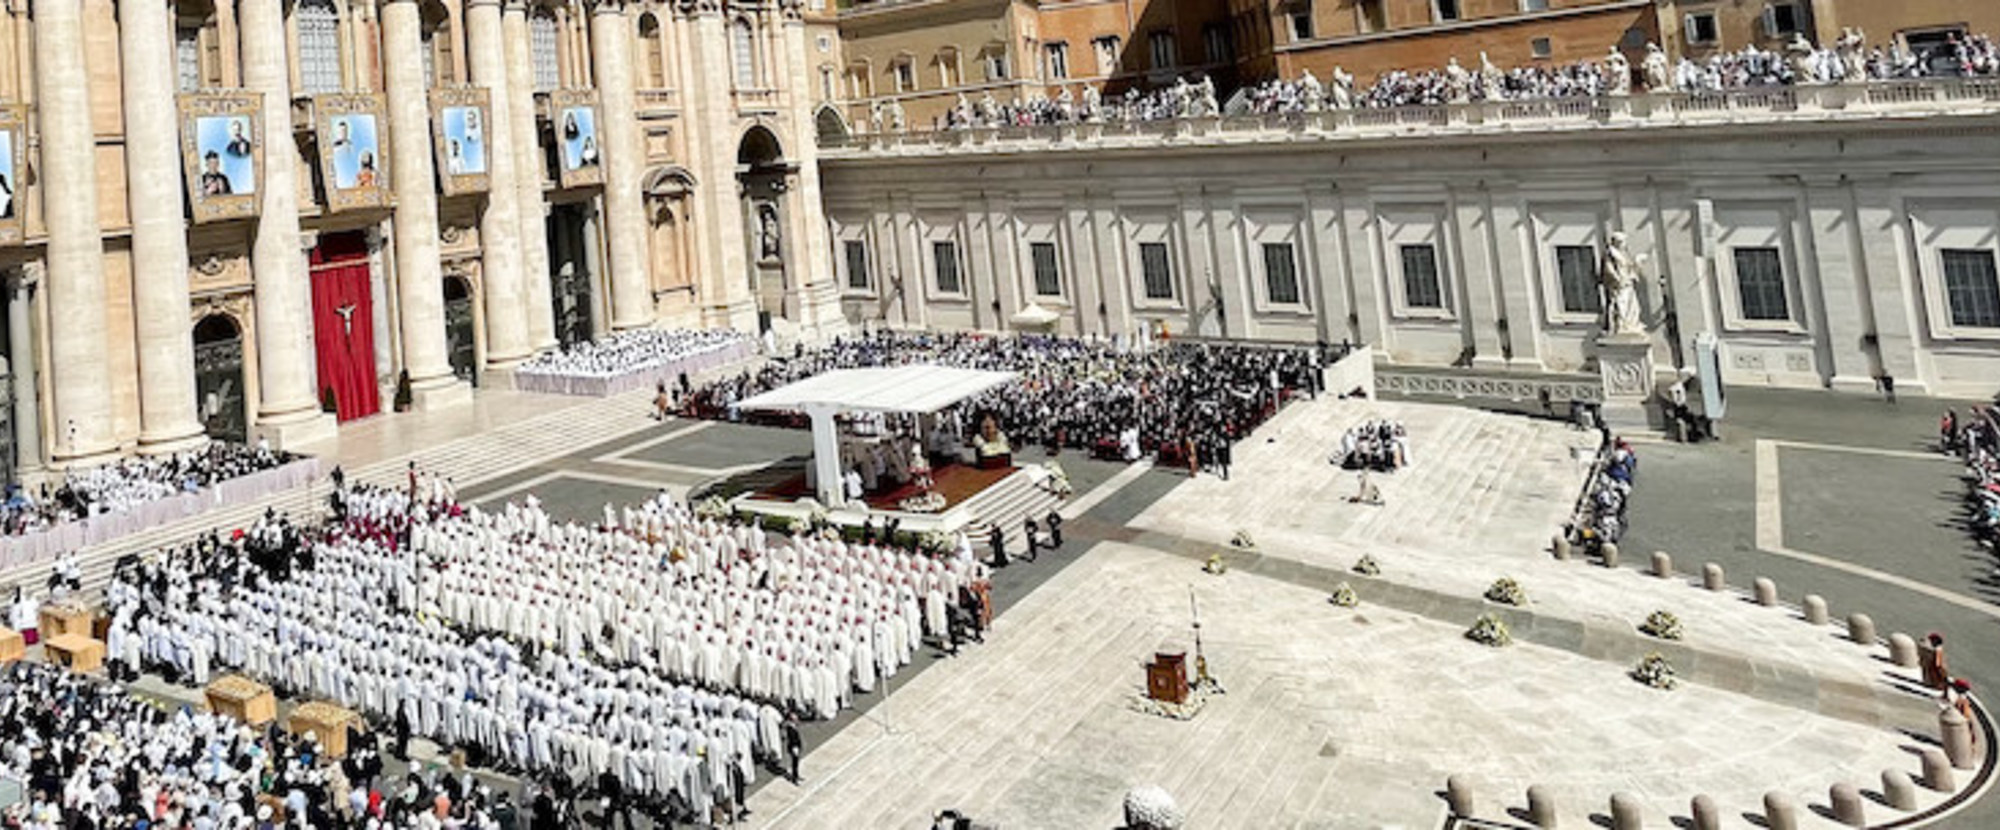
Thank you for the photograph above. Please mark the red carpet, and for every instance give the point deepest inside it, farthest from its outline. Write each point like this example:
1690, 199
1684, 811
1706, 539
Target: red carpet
956, 482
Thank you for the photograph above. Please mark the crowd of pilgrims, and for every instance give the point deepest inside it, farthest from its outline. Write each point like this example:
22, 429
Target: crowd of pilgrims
1070, 393
1181, 99
631, 351
1847, 60
123, 485
654, 660
1601, 515
1975, 439
1381, 445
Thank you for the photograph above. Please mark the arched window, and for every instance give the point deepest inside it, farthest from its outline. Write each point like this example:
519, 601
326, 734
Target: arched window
440, 56
318, 25
652, 53
542, 48
743, 47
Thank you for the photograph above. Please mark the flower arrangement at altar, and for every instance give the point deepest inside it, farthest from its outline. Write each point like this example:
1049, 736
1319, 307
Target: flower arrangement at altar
798, 526
931, 502
1151, 808
1490, 630
713, 507
1507, 592
936, 541
1343, 596
1215, 565
1662, 624
1656, 672
1367, 566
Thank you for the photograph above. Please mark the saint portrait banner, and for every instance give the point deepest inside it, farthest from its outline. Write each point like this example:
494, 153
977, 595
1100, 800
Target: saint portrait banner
352, 160
579, 157
222, 149
13, 134
459, 118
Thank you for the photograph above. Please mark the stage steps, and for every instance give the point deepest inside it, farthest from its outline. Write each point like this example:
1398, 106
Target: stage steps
1007, 505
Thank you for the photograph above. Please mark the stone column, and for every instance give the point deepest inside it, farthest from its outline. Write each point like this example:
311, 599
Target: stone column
82, 391
811, 253
500, 224
624, 166
167, 420
590, 261
288, 410
529, 164
21, 354
419, 277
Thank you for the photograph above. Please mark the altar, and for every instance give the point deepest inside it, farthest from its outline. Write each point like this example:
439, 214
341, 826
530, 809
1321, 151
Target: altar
885, 441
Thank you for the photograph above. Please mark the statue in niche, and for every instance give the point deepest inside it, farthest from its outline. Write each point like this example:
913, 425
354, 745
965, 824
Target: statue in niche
767, 231
1620, 277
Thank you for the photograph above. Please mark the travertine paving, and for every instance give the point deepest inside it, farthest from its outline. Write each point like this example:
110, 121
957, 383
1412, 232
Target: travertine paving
1334, 718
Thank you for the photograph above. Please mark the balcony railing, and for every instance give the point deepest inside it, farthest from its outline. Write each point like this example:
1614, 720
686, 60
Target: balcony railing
755, 100
1898, 98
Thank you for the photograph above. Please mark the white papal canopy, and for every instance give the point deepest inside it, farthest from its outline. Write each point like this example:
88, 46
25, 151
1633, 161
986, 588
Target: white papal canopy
918, 389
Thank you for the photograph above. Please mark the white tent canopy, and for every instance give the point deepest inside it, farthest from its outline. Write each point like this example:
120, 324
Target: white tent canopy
919, 388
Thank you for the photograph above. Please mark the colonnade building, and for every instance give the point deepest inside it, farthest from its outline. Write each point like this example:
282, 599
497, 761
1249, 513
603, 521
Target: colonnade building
244, 218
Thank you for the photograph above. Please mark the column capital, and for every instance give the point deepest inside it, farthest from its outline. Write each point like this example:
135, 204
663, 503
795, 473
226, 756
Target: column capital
701, 8
608, 6
27, 276
513, 6
474, 4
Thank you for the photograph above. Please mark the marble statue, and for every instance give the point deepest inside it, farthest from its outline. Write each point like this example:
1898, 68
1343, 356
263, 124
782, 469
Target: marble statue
896, 122
875, 117
1620, 278
1093, 104
961, 112
1205, 98
989, 110
1617, 73
1311, 92
1659, 75
1800, 53
1491, 80
1183, 98
1457, 82
1066, 106
1341, 93
767, 231
1852, 47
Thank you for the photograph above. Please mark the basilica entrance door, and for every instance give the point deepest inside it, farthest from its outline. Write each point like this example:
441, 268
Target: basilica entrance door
218, 379
343, 326
464, 350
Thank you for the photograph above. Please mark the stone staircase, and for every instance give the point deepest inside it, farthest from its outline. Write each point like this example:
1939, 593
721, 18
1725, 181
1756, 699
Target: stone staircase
1007, 505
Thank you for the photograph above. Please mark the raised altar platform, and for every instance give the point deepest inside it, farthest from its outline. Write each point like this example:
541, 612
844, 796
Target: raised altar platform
964, 488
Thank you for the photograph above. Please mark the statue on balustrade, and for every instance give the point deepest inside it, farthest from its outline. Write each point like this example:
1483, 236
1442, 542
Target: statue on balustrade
1617, 73
1620, 276
1457, 82
1341, 94
1093, 105
1492, 81
1311, 93
1659, 74
1065, 106
1205, 98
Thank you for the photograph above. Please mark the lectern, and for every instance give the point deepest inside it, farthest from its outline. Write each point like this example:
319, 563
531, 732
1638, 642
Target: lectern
1166, 677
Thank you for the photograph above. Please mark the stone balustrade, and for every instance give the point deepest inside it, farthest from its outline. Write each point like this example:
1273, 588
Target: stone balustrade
1954, 96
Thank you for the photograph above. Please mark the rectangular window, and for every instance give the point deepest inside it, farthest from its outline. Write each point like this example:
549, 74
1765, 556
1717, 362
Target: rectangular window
1302, 25
1780, 19
1534, 5
1760, 284
944, 255
996, 65
1058, 57
856, 252
1576, 270
187, 57
1971, 288
1447, 10
906, 77
1699, 28
1048, 277
1107, 54
1541, 47
318, 25
542, 51
1281, 273
1219, 44
1157, 269
1374, 18
1161, 44
1421, 287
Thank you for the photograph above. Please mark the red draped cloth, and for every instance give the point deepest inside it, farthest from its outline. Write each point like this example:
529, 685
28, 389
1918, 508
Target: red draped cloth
343, 325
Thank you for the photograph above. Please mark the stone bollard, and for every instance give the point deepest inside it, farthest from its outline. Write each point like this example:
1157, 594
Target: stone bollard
1815, 609
1956, 736
1899, 790
1561, 547
1767, 591
1711, 577
1779, 812
1861, 629
1541, 807
1458, 795
1937, 770
1610, 553
1846, 799
1625, 812
1707, 816
1663, 564
1903, 650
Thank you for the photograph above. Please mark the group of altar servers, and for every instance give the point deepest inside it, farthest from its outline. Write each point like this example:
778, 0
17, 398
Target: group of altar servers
662, 650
